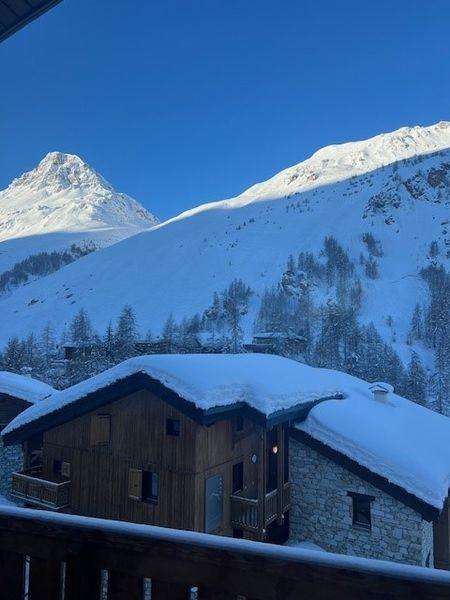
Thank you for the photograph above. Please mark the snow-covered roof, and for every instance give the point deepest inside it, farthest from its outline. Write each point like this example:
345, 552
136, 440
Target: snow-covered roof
22, 387
405, 443
266, 383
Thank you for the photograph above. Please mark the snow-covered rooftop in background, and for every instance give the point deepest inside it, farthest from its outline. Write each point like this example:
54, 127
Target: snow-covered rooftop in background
266, 383
22, 387
403, 442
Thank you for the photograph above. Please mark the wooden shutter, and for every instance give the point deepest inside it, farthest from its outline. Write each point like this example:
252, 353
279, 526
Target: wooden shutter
65, 469
135, 484
100, 429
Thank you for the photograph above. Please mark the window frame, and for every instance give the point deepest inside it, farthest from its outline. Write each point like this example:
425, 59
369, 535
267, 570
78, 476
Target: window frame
358, 498
153, 477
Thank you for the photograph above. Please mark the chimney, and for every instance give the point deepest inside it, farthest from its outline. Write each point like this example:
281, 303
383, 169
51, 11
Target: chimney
381, 391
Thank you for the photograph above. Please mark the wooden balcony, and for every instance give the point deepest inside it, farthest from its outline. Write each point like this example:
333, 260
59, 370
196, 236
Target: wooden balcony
30, 487
245, 511
49, 556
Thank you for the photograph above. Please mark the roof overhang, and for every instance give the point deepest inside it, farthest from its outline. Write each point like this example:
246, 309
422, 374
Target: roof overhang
15, 14
427, 511
141, 381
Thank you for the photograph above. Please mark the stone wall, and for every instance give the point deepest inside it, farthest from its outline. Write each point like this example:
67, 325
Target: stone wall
11, 459
321, 512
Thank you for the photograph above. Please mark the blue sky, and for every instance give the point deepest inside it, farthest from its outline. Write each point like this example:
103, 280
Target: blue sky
180, 102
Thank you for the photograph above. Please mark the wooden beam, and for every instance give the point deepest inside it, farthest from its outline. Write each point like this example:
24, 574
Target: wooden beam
262, 485
280, 472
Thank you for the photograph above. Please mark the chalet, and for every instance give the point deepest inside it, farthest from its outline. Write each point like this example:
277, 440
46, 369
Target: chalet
186, 441
275, 342
251, 445
17, 393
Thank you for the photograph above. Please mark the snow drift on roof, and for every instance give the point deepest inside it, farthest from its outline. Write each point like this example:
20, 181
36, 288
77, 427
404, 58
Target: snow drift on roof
266, 383
25, 388
406, 443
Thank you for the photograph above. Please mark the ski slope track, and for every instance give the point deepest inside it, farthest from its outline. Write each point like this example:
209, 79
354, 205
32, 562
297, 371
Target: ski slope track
395, 186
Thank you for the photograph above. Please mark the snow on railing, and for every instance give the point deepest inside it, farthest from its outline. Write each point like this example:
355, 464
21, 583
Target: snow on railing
78, 557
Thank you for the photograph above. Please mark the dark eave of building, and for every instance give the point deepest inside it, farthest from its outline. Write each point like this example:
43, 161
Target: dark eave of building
427, 511
15, 14
140, 381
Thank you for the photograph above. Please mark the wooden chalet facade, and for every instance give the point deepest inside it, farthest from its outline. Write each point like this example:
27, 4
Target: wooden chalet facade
136, 451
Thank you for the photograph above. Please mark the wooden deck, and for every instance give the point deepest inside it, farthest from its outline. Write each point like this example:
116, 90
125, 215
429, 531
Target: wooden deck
30, 487
72, 552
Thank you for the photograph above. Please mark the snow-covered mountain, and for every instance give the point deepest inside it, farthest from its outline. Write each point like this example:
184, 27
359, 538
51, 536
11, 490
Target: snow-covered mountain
64, 201
395, 186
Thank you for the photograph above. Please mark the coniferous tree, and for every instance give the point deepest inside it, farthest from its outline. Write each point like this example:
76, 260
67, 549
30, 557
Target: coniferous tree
126, 334
416, 380
13, 359
169, 333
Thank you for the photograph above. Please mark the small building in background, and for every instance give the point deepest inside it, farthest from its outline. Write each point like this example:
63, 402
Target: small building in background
274, 342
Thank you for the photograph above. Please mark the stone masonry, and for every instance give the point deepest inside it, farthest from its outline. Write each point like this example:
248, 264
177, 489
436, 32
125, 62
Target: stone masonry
321, 512
11, 459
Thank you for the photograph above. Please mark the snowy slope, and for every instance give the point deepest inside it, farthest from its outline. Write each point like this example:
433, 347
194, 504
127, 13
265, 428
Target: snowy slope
342, 191
60, 202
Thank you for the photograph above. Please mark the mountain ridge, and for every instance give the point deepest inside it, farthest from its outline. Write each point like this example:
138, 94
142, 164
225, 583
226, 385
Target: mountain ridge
177, 266
64, 201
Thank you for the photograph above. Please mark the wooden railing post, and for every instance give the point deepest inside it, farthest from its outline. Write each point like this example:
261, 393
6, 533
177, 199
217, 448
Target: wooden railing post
45, 579
280, 473
11, 575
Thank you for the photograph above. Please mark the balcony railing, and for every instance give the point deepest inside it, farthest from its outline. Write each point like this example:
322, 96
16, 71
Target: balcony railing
76, 558
30, 487
245, 511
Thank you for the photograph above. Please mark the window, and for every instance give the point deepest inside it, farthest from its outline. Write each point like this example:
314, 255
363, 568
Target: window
173, 427
57, 467
149, 486
143, 485
361, 509
238, 477
100, 430
239, 423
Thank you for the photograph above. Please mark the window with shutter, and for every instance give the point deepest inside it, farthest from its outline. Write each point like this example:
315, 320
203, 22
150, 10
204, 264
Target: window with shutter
100, 430
135, 484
